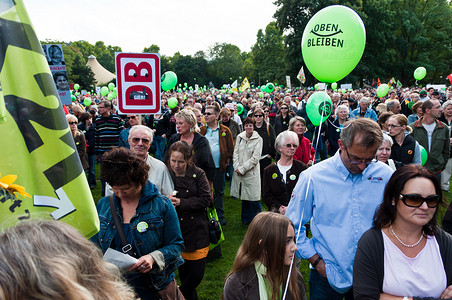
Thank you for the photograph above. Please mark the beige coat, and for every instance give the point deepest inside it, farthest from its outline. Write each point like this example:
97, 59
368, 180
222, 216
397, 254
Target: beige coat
246, 159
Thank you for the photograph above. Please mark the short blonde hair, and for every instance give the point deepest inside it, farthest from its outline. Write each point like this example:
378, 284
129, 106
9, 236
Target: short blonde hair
189, 116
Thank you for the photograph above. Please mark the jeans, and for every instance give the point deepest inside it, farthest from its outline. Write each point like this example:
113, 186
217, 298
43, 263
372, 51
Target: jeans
218, 187
160, 143
91, 158
320, 289
102, 182
249, 210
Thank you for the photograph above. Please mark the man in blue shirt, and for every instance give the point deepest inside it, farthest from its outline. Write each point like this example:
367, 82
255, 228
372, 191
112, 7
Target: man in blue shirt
364, 110
339, 196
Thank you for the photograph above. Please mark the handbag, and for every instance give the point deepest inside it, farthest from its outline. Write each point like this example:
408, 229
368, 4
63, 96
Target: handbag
216, 235
171, 291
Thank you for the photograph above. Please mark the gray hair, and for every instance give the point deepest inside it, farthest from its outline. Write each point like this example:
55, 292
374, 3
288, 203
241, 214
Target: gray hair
367, 129
149, 131
295, 119
447, 103
390, 104
341, 107
283, 136
364, 100
386, 137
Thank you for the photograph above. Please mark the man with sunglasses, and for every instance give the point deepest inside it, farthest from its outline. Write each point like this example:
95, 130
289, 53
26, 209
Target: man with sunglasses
140, 140
339, 196
222, 147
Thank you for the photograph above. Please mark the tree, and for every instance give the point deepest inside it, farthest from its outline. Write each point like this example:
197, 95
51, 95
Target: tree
225, 62
152, 49
82, 74
269, 55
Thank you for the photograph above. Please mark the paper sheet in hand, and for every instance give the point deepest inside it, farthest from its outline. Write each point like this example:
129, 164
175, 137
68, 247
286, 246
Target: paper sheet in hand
119, 259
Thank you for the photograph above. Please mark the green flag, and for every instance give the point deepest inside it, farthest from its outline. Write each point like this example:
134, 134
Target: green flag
41, 174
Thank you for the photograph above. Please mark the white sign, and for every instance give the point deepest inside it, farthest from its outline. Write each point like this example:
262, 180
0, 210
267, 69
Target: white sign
138, 83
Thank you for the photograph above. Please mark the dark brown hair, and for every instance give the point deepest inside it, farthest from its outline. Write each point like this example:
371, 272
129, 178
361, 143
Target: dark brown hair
249, 120
386, 212
120, 166
185, 149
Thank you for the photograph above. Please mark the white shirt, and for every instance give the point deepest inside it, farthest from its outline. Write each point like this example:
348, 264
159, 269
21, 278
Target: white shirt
421, 276
429, 129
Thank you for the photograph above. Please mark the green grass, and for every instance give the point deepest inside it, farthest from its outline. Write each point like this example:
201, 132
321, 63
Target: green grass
212, 285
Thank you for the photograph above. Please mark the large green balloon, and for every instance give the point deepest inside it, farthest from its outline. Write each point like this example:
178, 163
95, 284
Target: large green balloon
319, 107
269, 88
169, 80
382, 90
111, 86
333, 42
334, 85
172, 102
76, 86
420, 73
104, 91
87, 101
73, 98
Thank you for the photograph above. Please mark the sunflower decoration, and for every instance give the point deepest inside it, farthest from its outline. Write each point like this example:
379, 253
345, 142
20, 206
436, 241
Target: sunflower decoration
10, 190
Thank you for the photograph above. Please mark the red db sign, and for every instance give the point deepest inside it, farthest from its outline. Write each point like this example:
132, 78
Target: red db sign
138, 80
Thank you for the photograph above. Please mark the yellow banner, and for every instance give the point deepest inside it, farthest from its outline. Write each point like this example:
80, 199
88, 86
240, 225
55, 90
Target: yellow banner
245, 85
41, 174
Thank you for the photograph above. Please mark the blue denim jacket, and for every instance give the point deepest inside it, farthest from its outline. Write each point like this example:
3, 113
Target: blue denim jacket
162, 239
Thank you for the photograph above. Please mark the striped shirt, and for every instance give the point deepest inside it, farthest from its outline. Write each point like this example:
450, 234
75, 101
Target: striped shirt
107, 132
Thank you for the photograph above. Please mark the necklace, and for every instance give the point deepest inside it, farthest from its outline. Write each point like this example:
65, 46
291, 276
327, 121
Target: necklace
400, 241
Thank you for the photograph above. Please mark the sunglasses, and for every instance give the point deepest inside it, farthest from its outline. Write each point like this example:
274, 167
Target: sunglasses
284, 108
208, 114
258, 116
291, 145
136, 140
413, 200
131, 117
72, 123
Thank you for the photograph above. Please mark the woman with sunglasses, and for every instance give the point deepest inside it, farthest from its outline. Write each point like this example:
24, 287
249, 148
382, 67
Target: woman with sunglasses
282, 119
281, 177
79, 139
405, 148
405, 255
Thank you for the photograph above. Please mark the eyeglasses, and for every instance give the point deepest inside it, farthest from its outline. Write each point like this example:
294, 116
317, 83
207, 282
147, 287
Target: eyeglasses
208, 114
72, 123
258, 116
131, 117
394, 126
413, 200
291, 145
366, 161
136, 140
101, 107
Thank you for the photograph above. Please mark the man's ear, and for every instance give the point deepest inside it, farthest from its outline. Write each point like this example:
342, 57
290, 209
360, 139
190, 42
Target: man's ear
341, 145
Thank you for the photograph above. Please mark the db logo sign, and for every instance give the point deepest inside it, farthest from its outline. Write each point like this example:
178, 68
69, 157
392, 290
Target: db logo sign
138, 80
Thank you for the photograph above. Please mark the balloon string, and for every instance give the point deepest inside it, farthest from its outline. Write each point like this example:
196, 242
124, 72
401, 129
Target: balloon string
321, 120
332, 124
297, 237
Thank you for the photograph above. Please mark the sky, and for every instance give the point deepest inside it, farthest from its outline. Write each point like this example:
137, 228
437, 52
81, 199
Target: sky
173, 25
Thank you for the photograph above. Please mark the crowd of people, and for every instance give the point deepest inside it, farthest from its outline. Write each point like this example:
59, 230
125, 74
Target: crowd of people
355, 182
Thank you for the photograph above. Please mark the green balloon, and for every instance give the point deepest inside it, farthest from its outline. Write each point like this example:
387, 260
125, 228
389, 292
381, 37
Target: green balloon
382, 90
76, 86
87, 101
230, 92
263, 87
334, 85
319, 107
185, 84
424, 155
169, 80
344, 91
316, 86
333, 42
172, 102
73, 98
111, 86
420, 73
239, 108
104, 91
261, 94
270, 87
410, 104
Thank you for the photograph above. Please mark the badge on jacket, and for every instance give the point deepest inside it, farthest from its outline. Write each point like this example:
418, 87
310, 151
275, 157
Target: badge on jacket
142, 227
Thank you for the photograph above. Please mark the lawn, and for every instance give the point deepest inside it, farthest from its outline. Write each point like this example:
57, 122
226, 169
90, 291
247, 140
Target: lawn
212, 284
